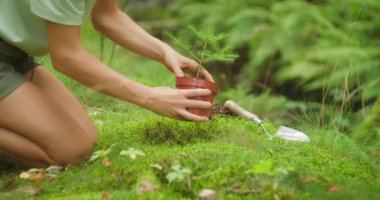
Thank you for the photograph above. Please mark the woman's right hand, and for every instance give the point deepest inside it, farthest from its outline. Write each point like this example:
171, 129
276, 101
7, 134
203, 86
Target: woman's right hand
173, 102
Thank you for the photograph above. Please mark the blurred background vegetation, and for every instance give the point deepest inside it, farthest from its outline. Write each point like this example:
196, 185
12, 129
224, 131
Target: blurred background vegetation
300, 61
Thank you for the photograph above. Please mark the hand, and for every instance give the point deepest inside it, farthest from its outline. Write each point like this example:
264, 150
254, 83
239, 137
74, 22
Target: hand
173, 102
176, 63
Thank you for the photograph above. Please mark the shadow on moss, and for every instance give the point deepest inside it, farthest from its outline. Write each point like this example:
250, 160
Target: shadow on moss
173, 132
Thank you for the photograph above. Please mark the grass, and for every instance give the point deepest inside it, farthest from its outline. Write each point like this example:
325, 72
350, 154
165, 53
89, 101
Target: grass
227, 154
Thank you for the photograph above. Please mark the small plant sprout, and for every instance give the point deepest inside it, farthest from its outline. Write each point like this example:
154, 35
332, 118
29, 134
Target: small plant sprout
102, 154
178, 174
266, 171
38, 175
205, 46
132, 153
156, 166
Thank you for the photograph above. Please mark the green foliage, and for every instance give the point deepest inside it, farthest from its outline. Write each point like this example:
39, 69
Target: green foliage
300, 49
205, 46
178, 174
368, 132
218, 152
263, 167
132, 153
102, 153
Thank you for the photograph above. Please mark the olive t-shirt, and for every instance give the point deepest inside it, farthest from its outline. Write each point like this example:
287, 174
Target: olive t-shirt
22, 22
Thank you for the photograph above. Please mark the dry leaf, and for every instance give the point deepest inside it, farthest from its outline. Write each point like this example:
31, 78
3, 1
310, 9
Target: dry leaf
184, 154
37, 177
207, 194
157, 166
133, 156
333, 188
106, 162
25, 175
105, 196
31, 191
309, 179
276, 197
146, 186
289, 195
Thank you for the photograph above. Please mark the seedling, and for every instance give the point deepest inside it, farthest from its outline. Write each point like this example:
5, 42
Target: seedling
38, 175
132, 153
156, 166
102, 154
275, 176
205, 46
178, 174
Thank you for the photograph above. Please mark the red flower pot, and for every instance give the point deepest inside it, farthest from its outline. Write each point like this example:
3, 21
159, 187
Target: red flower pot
192, 83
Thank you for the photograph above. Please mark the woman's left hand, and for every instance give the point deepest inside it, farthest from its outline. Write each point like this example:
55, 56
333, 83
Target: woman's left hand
178, 63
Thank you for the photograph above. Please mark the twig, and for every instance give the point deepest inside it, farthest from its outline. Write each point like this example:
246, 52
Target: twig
208, 174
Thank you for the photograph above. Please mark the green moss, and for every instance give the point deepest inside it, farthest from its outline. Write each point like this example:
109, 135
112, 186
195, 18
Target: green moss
221, 154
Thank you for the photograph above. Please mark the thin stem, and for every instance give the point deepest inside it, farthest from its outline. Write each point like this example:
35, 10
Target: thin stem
202, 59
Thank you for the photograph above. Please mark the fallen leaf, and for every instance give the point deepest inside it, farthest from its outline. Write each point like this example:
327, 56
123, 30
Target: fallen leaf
37, 178
98, 122
289, 194
207, 194
106, 162
94, 113
276, 197
331, 187
157, 166
105, 196
31, 191
309, 179
184, 154
146, 186
133, 156
36, 175
25, 175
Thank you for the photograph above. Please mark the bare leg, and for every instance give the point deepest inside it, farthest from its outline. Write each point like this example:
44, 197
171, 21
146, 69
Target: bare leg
53, 88
30, 117
17, 145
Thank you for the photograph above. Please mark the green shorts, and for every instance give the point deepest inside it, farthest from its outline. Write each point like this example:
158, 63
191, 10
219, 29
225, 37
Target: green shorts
13, 64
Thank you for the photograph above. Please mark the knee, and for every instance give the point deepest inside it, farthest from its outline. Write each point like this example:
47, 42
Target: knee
94, 136
72, 153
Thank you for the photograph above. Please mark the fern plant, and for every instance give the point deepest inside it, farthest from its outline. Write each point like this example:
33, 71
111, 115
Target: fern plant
205, 46
317, 47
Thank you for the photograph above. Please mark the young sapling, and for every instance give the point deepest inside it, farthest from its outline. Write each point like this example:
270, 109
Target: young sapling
206, 47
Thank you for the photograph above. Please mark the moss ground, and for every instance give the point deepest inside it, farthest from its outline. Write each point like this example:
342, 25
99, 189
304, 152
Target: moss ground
227, 154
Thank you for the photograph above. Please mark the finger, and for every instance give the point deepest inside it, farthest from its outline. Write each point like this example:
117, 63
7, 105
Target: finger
191, 117
207, 75
195, 92
177, 71
193, 64
189, 64
198, 104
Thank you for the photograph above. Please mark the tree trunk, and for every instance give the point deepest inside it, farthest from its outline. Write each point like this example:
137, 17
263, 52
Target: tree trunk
368, 132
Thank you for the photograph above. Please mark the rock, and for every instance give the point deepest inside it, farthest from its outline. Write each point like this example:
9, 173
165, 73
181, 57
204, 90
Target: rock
146, 186
207, 194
